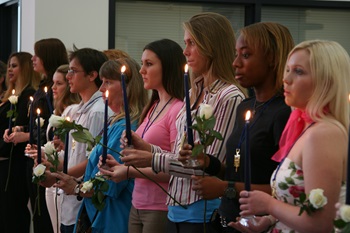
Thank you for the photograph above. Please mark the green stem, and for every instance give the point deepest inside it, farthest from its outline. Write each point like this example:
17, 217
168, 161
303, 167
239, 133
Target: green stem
149, 178
9, 171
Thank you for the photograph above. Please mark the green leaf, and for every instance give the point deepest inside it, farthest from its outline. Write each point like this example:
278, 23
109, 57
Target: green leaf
100, 196
283, 186
209, 123
198, 149
290, 181
209, 140
216, 134
302, 197
104, 186
339, 223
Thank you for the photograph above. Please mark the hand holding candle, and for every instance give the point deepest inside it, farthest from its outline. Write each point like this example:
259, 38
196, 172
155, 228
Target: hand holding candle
38, 137
126, 108
104, 148
48, 101
188, 109
66, 149
247, 171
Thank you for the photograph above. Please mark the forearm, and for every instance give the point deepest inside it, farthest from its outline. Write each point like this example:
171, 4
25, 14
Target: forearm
78, 170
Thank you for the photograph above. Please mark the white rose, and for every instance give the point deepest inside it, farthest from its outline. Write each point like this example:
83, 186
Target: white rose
317, 199
39, 170
56, 121
206, 111
49, 148
87, 186
42, 121
13, 99
345, 213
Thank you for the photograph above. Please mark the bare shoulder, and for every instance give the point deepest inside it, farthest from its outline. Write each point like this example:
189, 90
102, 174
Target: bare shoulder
324, 131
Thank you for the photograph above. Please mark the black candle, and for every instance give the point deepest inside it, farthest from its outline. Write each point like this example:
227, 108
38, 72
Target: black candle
247, 168
126, 108
188, 109
48, 101
66, 149
38, 137
31, 139
105, 126
10, 118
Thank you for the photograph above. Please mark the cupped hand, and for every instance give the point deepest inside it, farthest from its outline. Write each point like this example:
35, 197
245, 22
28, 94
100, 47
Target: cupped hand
65, 182
137, 142
261, 224
208, 187
117, 172
254, 202
137, 158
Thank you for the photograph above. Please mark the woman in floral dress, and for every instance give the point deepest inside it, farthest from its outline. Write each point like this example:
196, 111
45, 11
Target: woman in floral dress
313, 146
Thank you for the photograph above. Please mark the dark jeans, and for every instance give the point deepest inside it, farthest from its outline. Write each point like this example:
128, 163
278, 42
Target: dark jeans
67, 229
187, 227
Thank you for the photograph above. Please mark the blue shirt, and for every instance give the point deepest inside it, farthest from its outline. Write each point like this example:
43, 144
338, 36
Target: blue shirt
115, 214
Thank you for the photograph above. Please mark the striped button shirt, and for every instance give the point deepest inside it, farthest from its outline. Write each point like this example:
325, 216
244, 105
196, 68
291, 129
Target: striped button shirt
224, 98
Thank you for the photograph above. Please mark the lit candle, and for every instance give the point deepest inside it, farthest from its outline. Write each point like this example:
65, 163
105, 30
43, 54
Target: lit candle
10, 118
31, 140
48, 101
104, 148
188, 109
247, 178
66, 149
38, 137
126, 108
347, 201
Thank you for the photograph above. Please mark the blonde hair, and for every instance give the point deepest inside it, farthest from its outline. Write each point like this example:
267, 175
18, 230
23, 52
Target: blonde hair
136, 94
330, 72
276, 42
215, 40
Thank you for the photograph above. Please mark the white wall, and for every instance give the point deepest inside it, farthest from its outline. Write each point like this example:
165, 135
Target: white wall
82, 22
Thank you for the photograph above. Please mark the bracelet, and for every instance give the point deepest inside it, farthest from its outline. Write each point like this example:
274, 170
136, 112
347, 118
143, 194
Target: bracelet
214, 166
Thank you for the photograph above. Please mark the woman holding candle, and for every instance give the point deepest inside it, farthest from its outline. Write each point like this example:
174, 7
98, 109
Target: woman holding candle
209, 50
64, 101
115, 214
162, 72
14, 197
265, 125
49, 55
313, 146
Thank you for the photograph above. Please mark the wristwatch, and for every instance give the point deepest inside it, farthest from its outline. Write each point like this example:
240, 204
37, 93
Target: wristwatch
77, 192
230, 192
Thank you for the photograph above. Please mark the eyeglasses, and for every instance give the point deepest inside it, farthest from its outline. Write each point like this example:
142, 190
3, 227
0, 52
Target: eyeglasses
73, 72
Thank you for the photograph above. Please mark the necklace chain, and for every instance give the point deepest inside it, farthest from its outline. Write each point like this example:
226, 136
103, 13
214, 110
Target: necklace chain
150, 121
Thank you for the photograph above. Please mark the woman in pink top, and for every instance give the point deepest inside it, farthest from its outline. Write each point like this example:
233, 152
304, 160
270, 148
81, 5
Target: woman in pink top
162, 71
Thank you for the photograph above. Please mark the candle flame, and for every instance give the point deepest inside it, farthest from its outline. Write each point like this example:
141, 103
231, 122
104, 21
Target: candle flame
67, 118
13, 91
247, 115
106, 93
31, 98
349, 97
45, 89
123, 69
186, 68
38, 111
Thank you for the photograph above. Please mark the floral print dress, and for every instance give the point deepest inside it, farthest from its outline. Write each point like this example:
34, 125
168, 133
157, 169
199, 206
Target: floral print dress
289, 186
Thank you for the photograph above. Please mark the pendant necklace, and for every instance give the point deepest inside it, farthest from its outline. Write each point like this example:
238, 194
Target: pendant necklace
237, 156
150, 122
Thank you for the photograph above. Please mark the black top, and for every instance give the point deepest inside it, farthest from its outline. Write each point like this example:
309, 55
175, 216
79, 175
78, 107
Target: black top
21, 120
266, 127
